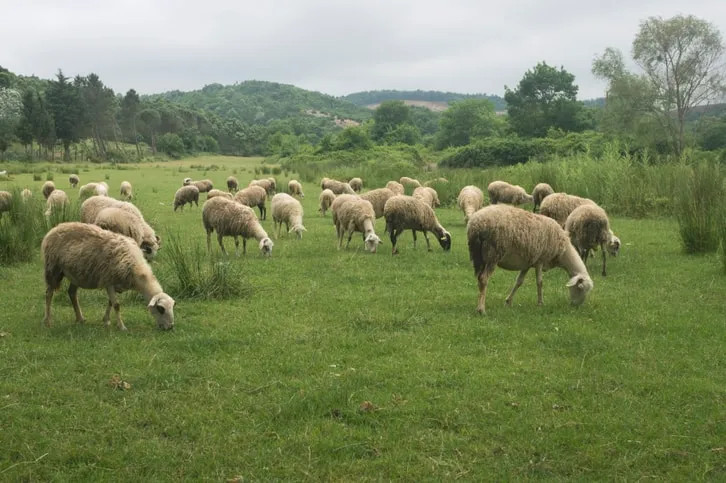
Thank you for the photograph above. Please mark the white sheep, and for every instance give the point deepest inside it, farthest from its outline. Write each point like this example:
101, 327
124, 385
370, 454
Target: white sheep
91, 257
229, 218
26, 194
470, 199
337, 187
126, 190
74, 180
273, 184
92, 189
47, 189
267, 184
126, 223
93, 205
57, 201
335, 206
204, 185
396, 187
378, 198
6, 201
295, 188
503, 192
432, 182
356, 184
514, 239
187, 182
558, 206
540, 192
588, 227
326, 199
408, 213
215, 192
186, 194
409, 182
252, 196
428, 195
358, 215
232, 184
288, 210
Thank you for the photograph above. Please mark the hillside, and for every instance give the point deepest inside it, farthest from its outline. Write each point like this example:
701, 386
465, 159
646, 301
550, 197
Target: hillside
435, 100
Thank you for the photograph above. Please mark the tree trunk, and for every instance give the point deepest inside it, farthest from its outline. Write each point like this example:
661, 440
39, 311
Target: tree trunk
66, 150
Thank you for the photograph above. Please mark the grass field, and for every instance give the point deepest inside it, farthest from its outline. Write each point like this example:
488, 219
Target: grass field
344, 365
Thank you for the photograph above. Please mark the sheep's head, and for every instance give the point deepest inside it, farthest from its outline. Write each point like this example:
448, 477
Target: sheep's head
372, 241
161, 306
526, 198
445, 240
187, 181
149, 248
266, 246
298, 229
613, 246
579, 286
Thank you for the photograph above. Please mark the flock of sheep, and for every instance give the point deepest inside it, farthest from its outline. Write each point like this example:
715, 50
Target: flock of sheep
111, 246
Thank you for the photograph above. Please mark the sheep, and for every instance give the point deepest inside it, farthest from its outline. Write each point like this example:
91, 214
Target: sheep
326, 199
432, 182
126, 190
470, 199
230, 218
92, 189
378, 198
409, 182
6, 199
74, 180
57, 200
215, 192
356, 184
335, 206
187, 182
91, 257
558, 206
288, 210
47, 189
514, 239
540, 191
93, 205
232, 184
337, 187
588, 228
503, 192
358, 215
26, 194
428, 195
295, 188
396, 187
266, 184
204, 185
186, 194
405, 212
253, 196
273, 183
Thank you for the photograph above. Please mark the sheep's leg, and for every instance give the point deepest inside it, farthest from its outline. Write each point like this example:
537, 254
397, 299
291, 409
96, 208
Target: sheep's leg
221, 245
244, 246
116, 308
538, 272
287, 226
236, 246
414, 238
49, 291
428, 244
73, 295
517, 284
394, 235
209, 238
483, 280
350, 235
278, 227
263, 211
603, 249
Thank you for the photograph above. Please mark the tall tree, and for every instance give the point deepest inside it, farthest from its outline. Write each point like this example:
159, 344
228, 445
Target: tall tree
149, 123
64, 103
99, 106
130, 106
11, 107
388, 116
545, 98
465, 120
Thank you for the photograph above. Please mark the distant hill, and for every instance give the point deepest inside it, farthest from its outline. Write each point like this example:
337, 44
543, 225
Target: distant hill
435, 100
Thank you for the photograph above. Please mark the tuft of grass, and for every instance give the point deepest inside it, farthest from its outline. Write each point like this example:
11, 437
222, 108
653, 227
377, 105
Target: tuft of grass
698, 207
37, 177
49, 176
21, 229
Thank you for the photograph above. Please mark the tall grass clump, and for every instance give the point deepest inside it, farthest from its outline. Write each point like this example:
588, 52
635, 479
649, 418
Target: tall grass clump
698, 207
722, 234
191, 273
21, 229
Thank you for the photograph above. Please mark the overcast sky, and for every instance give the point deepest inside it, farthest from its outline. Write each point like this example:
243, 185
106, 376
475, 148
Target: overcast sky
336, 47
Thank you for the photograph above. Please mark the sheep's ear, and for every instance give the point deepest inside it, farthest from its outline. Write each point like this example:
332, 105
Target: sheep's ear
154, 301
577, 280
158, 239
160, 308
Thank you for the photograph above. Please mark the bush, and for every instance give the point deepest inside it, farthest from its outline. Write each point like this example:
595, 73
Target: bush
49, 176
171, 144
699, 206
21, 229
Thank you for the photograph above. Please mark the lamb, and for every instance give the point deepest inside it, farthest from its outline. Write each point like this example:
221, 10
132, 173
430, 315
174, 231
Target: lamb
337, 187
326, 199
73, 180
514, 239
230, 218
295, 188
540, 191
186, 194
57, 201
558, 206
126, 190
378, 198
266, 184
215, 192
358, 215
470, 199
6, 200
288, 210
588, 228
356, 184
232, 184
26, 194
428, 195
91, 257
396, 187
503, 192
253, 196
47, 189
92, 189
409, 182
204, 185
406, 212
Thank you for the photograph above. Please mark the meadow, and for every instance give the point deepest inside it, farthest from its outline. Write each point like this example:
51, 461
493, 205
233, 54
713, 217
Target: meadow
346, 365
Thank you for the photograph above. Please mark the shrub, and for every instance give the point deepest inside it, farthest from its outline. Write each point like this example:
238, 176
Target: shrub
698, 206
171, 144
49, 176
36, 177
21, 229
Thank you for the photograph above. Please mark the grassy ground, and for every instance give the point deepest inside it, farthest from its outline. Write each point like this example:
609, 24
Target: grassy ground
346, 365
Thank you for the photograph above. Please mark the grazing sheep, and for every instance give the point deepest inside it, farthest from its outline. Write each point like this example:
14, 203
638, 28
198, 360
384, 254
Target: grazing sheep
428, 195
405, 212
93, 205
503, 192
266, 184
232, 184
335, 206
358, 215
274, 184
204, 185
186, 194
26, 194
187, 182
229, 218
356, 184
588, 228
253, 196
124, 222
378, 198
409, 182
470, 200
91, 257
326, 199
337, 187
215, 192
540, 191
295, 188
74, 180
288, 210
514, 239
432, 182
396, 187
92, 189
47, 189
126, 190
558, 206
6, 199
57, 201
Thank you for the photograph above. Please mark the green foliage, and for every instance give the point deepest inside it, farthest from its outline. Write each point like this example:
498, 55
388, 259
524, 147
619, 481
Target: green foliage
49, 176
66, 107
711, 133
466, 120
353, 138
387, 117
368, 98
171, 144
21, 229
699, 207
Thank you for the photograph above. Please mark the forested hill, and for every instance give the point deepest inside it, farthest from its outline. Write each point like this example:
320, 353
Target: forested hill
368, 98
260, 102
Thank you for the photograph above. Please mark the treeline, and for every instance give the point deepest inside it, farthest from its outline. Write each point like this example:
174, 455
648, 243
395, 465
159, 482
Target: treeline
367, 98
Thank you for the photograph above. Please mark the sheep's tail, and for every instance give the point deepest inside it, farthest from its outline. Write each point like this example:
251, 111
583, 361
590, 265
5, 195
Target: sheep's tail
476, 253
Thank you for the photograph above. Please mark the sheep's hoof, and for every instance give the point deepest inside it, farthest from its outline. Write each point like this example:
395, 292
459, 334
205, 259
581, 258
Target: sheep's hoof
481, 311
80, 321
47, 322
508, 302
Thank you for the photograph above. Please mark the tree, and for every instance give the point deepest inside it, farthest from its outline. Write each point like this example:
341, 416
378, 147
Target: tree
352, 138
99, 106
130, 106
388, 116
11, 106
149, 123
465, 120
682, 58
65, 105
544, 98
